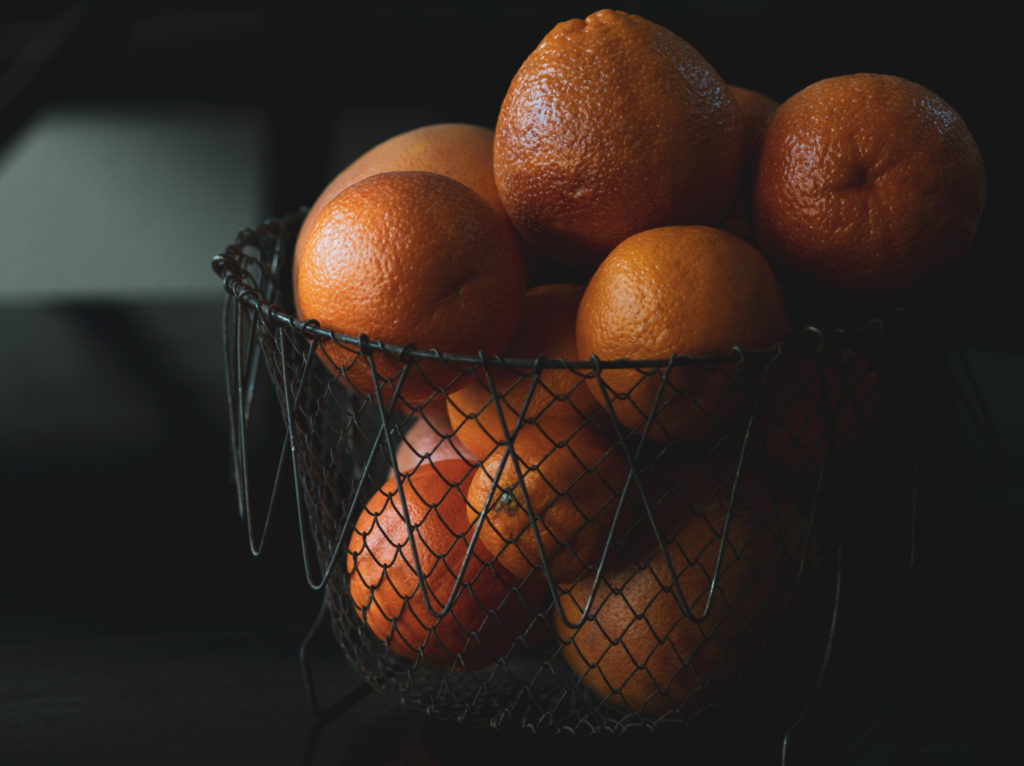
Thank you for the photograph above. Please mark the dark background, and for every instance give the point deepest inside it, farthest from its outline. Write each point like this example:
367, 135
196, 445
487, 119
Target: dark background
135, 626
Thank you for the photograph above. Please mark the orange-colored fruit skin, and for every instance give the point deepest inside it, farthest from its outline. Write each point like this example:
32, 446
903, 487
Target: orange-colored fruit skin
429, 439
684, 290
560, 399
458, 150
638, 648
613, 125
410, 258
756, 110
868, 183
572, 489
491, 608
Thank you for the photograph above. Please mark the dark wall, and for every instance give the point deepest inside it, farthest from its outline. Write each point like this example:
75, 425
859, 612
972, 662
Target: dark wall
302, 64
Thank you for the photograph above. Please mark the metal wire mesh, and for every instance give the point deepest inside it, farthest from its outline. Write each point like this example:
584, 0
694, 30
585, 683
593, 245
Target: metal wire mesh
666, 551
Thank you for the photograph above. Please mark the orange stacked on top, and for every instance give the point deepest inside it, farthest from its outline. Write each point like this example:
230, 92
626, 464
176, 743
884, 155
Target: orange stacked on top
618, 150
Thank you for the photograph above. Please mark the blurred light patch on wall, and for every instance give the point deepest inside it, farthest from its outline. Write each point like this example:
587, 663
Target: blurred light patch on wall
128, 201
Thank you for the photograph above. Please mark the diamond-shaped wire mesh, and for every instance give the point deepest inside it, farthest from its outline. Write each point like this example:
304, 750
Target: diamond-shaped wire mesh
646, 543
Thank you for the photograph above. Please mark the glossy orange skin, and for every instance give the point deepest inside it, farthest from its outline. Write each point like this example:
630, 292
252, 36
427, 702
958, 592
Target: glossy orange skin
410, 258
686, 290
869, 183
491, 608
458, 150
613, 125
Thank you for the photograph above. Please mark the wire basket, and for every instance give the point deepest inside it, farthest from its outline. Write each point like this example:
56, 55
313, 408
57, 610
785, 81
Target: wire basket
620, 565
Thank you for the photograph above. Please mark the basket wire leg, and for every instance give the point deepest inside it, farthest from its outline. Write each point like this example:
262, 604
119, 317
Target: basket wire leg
322, 717
787, 737
974, 402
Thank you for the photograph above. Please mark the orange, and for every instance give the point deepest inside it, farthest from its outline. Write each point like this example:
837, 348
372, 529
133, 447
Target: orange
756, 110
559, 399
686, 290
428, 439
571, 489
802, 390
638, 647
869, 183
410, 258
451, 622
613, 125
458, 150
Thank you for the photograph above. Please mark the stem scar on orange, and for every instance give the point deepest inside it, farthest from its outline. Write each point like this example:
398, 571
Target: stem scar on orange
571, 490
465, 623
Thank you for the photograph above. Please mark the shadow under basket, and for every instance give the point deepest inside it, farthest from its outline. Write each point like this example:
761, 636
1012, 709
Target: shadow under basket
662, 543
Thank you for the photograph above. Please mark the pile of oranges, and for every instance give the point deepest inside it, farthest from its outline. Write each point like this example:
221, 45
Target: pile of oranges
628, 204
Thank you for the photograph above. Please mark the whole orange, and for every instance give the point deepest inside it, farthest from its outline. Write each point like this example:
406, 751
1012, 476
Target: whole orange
869, 183
465, 622
571, 490
458, 150
410, 258
639, 646
559, 399
613, 125
684, 290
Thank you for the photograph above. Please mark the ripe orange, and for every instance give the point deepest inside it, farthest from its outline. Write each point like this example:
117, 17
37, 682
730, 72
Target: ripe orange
490, 608
461, 151
637, 648
756, 110
559, 399
571, 489
612, 125
678, 290
869, 183
410, 258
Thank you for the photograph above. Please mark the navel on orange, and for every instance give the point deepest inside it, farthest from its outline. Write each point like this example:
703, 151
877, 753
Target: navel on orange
465, 622
869, 183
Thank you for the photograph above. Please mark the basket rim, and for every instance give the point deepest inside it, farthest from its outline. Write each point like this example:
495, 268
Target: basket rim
238, 282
